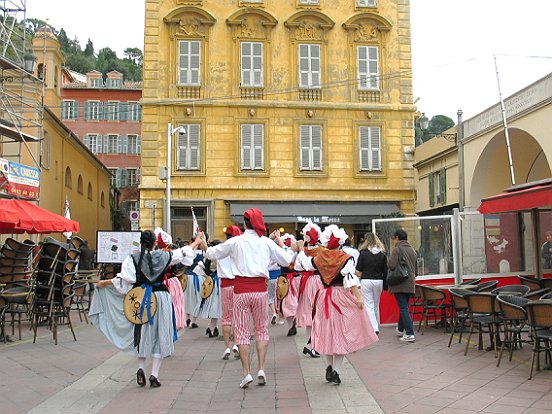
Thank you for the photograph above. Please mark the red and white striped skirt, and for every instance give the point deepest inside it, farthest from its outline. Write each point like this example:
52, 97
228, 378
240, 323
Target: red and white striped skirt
305, 303
339, 326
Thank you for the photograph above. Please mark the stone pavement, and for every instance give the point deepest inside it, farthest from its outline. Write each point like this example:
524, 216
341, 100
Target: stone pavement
90, 376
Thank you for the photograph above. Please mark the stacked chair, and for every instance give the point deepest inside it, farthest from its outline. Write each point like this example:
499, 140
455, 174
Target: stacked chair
16, 268
53, 286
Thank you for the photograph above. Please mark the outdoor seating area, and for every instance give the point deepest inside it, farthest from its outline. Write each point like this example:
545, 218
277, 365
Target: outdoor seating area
510, 316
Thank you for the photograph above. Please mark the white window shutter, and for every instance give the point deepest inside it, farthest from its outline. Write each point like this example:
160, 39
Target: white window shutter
309, 66
304, 66
375, 146
188, 152
316, 147
189, 62
194, 140
258, 64
246, 65
246, 144
86, 142
258, 146
370, 148
315, 66
251, 64
364, 133
368, 67
138, 144
182, 145
305, 147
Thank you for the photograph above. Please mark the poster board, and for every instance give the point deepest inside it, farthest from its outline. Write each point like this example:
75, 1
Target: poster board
115, 246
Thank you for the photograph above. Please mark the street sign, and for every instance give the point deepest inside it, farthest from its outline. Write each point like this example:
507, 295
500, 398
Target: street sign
134, 215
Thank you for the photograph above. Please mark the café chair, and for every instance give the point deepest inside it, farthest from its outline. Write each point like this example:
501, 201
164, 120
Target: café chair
415, 303
514, 319
546, 296
539, 315
485, 286
513, 289
546, 283
459, 311
434, 301
483, 318
533, 283
536, 294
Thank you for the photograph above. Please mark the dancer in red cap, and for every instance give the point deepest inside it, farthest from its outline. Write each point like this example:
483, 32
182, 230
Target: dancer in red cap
251, 254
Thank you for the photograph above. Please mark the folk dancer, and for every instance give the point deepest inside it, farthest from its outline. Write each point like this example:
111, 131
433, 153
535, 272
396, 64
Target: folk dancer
208, 305
340, 325
309, 286
156, 338
251, 254
224, 270
287, 306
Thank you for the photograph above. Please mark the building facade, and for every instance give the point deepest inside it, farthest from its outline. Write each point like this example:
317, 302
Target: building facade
106, 116
302, 108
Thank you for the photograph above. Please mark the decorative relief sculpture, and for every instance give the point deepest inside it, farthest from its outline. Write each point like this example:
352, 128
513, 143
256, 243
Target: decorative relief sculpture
190, 27
367, 32
308, 31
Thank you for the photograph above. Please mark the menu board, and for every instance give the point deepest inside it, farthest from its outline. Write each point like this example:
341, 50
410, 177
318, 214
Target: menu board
115, 246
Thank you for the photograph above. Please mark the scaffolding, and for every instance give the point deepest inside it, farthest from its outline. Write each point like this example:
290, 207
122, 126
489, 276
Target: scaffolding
21, 91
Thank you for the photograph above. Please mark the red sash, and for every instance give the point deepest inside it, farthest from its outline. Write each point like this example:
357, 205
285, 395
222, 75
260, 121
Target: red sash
250, 284
327, 301
224, 282
304, 279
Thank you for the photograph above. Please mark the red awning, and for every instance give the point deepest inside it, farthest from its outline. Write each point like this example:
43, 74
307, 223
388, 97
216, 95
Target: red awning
518, 200
32, 219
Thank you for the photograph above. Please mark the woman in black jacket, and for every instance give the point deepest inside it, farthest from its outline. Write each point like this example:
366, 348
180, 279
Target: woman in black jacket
371, 270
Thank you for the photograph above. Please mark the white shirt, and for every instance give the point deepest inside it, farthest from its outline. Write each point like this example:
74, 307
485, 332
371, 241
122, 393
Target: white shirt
351, 251
123, 281
250, 254
224, 268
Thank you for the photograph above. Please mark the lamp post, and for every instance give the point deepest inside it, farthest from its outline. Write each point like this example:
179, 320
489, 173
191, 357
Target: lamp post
170, 131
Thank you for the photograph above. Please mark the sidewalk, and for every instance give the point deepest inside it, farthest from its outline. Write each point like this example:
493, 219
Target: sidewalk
91, 376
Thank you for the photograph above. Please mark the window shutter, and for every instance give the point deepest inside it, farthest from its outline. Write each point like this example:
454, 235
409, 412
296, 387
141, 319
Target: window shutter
368, 67
189, 62
315, 66
138, 144
443, 185
431, 182
86, 142
195, 63
252, 64
87, 110
258, 64
364, 133
194, 146
305, 147
303, 66
258, 146
375, 149
373, 67
123, 111
105, 139
246, 146
316, 147
122, 144
246, 63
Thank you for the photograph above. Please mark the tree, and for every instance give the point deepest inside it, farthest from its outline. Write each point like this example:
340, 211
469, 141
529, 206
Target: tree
134, 54
89, 49
437, 125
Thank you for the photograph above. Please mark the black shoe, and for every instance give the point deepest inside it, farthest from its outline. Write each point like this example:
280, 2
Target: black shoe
292, 331
188, 322
329, 373
335, 378
208, 332
311, 352
140, 377
215, 332
194, 325
154, 382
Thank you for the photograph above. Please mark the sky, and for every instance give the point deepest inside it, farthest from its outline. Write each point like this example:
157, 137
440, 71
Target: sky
454, 44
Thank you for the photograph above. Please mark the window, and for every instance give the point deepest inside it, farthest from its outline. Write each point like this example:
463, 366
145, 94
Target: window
96, 83
69, 110
93, 143
311, 147
437, 187
80, 185
368, 67
93, 110
111, 111
252, 147
112, 142
251, 64
189, 62
370, 148
134, 111
114, 83
188, 154
366, 3
114, 174
133, 205
134, 144
309, 66
68, 179
133, 177
90, 192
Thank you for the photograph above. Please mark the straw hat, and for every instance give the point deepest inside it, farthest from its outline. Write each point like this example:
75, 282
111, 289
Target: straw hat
132, 304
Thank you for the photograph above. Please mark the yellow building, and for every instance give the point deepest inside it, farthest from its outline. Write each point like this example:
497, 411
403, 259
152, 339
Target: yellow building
38, 139
302, 108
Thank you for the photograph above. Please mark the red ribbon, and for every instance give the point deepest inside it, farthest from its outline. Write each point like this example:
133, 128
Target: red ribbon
304, 278
327, 301
290, 277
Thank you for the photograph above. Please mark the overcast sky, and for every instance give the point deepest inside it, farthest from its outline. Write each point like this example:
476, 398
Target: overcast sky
453, 43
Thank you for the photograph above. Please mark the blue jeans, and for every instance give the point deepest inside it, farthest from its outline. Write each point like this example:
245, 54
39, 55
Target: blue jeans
405, 322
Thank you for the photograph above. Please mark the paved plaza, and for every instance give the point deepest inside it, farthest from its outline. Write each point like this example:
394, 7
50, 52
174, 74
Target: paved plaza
425, 377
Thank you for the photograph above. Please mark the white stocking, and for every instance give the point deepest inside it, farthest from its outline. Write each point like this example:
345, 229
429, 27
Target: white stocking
338, 361
156, 366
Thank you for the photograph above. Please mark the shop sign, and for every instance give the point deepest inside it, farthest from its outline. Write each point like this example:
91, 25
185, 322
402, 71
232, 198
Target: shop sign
319, 219
19, 180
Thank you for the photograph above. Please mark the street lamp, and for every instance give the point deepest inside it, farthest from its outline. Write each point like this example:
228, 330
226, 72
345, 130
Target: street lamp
424, 125
170, 131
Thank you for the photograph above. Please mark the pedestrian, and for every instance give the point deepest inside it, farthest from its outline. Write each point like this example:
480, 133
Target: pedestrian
403, 291
546, 251
226, 276
251, 254
309, 286
340, 324
86, 258
371, 268
154, 339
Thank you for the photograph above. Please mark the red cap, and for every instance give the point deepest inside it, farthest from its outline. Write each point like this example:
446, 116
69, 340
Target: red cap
233, 231
255, 217
160, 242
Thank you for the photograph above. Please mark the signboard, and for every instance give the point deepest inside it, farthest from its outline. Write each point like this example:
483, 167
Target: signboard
19, 180
115, 246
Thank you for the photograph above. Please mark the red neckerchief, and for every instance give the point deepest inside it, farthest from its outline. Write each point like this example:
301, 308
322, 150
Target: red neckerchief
329, 263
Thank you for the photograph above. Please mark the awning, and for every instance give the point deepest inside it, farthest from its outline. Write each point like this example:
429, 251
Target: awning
523, 197
32, 219
325, 213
